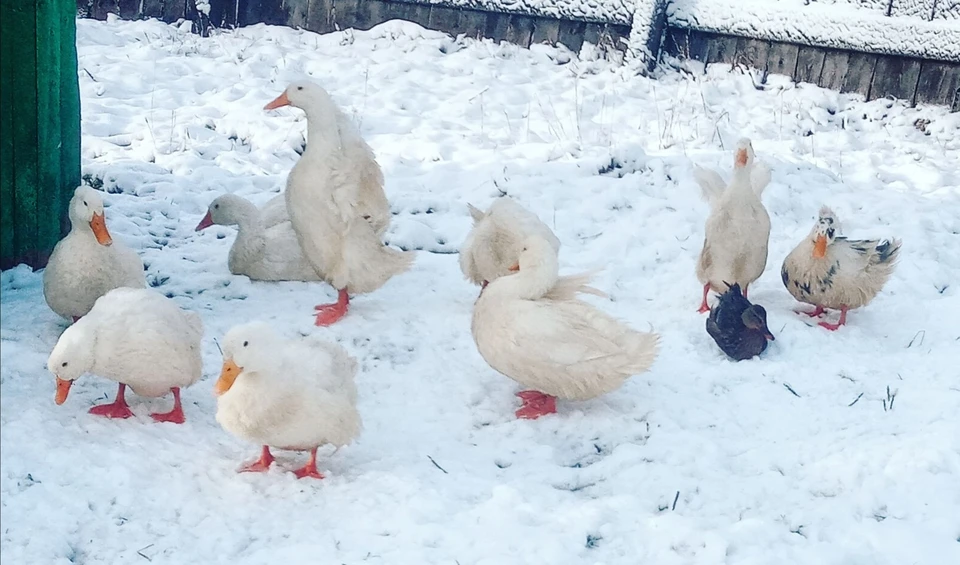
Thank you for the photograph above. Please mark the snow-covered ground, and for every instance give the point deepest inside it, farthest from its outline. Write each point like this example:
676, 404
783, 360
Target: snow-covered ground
795, 458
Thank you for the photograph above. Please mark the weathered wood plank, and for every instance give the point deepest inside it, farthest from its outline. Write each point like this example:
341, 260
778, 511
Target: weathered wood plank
47, 88
445, 19
897, 77
255, 12
859, 75
809, 64
782, 59
128, 9
152, 9
721, 49
834, 68
372, 13
320, 16
699, 46
939, 83
69, 113
473, 23
751, 53
519, 30
297, 12
345, 13
571, 34
176, 9
416, 13
545, 30
7, 144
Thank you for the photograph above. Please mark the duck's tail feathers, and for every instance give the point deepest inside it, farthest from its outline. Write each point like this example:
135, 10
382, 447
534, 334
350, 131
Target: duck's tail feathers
888, 251
368, 264
711, 183
642, 349
476, 213
568, 286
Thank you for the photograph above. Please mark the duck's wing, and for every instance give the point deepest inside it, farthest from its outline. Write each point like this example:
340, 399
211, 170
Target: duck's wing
568, 286
760, 177
711, 183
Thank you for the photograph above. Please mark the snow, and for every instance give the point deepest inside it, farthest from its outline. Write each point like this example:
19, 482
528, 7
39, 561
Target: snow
699, 461
840, 26
605, 11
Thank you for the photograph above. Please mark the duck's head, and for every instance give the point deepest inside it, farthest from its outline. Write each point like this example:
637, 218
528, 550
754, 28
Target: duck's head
536, 253
755, 318
825, 232
302, 94
744, 154
248, 348
86, 209
225, 210
71, 357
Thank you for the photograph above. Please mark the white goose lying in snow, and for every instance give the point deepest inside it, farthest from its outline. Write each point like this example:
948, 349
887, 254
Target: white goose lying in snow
135, 337
493, 244
829, 271
87, 263
531, 327
336, 202
738, 228
261, 253
297, 394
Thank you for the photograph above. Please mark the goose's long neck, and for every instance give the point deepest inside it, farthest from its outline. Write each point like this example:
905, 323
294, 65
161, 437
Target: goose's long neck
531, 282
323, 130
251, 237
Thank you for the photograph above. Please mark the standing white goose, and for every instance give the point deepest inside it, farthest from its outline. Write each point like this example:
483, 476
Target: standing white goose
738, 229
261, 253
531, 327
336, 202
136, 337
87, 263
291, 394
493, 244
829, 271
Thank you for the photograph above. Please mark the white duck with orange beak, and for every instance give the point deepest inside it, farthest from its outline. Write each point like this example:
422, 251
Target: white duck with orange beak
737, 231
830, 271
138, 338
336, 202
296, 394
88, 263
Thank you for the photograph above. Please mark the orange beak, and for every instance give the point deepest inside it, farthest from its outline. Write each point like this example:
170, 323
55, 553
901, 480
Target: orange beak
277, 102
205, 223
514, 268
740, 160
63, 389
820, 247
99, 226
228, 375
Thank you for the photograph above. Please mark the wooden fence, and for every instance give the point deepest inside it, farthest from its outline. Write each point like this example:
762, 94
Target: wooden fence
917, 71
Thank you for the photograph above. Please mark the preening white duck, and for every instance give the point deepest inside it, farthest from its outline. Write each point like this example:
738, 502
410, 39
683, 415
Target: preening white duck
261, 253
294, 394
531, 327
738, 229
830, 271
493, 244
336, 202
87, 263
138, 338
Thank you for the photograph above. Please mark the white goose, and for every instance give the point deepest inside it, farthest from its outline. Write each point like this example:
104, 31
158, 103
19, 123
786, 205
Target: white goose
493, 244
738, 229
290, 394
136, 337
87, 263
261, 253
531, 327
336, 202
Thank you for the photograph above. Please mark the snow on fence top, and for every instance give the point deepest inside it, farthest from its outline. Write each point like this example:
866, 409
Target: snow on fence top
606, 11
841, 24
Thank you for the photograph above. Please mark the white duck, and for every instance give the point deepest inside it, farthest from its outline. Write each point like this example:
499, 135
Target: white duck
493, 244
336, 202
531, 327
738, 228
263, 254
274, 211
289, 394
135, 337
87, 262
829, 271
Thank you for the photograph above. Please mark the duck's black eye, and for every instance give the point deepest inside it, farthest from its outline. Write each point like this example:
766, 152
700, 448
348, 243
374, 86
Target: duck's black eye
216, 206
246, 343
84, 202
299, 88
64, 364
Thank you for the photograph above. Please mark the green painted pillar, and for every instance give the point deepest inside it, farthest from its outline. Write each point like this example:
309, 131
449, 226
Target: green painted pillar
40, 127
